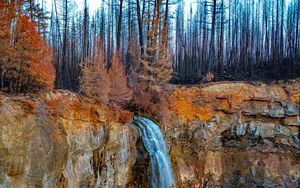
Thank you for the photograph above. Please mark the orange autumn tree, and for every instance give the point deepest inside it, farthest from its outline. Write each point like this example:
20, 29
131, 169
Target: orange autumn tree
103, 84
6, 49
120, 93
26, 60
34, 67
95, 80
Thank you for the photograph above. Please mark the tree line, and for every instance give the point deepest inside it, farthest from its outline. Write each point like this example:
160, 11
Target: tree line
230, 39
136, 30
136, 43
25, 58
234, 38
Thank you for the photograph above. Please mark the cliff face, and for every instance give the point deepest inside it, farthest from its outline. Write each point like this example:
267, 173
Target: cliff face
229, 134
62, 140
234, 134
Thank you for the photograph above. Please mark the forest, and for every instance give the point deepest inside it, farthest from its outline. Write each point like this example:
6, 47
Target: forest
126, 45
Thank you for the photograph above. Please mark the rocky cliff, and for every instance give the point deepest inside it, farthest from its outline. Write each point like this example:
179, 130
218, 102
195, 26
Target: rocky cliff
219, 135
234, 134
59, 139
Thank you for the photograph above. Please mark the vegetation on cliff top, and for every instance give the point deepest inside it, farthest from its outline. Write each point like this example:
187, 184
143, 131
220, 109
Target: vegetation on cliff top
131, 48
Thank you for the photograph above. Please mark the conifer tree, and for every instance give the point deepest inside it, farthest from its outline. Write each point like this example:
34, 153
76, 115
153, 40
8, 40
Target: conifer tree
26, 60
33, 62
157, 65
95, 80
120, 92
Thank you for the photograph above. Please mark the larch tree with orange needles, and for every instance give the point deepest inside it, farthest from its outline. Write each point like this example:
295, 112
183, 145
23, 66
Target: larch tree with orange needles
26, 60
120, 93
95, 80
34, 68
6, 51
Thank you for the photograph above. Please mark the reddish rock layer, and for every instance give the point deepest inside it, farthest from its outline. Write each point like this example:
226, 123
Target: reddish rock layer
219, 135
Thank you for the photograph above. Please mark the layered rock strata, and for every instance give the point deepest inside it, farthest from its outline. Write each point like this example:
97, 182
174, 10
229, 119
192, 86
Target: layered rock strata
234, 134
228, 134
59, 139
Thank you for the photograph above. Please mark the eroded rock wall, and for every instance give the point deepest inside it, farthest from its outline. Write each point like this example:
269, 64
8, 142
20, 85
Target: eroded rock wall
234, 134
59, 139
219, 135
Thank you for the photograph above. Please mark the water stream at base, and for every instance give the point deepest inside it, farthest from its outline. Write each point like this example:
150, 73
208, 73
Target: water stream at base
161, 171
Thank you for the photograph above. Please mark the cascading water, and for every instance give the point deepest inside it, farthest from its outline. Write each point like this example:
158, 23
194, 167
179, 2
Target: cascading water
161, 171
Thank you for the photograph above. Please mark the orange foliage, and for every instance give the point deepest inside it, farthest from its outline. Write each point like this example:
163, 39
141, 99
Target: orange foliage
35, 54
26, 60
105, 85
95, 81
6, 50
43, 71
120, 92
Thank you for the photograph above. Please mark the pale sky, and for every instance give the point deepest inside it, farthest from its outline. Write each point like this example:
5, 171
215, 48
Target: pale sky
95, 4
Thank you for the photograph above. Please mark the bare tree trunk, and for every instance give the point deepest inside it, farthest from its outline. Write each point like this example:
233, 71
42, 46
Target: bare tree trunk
108, 54
276, 50
140, 25
119, 25
165, 28
221, 41
281, 32
66, 76
204, 38
212, 37
85, 31
297, 28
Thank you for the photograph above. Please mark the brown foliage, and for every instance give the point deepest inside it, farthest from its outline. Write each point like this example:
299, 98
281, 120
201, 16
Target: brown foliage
208, 77
146, 77
156, 73
95, 81
120, 92
33, 60
26, 60
105, 85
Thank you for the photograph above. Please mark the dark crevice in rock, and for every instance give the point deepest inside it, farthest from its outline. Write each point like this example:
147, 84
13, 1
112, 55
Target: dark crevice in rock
141, 168
96, 163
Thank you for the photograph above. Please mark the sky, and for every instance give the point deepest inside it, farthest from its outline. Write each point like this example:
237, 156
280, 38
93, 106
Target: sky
95, 4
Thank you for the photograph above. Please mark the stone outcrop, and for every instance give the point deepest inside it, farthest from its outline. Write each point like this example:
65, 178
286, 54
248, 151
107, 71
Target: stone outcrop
229, 134
59, 139
234, 134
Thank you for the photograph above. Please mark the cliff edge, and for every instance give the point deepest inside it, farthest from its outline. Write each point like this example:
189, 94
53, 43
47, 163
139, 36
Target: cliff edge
222, 134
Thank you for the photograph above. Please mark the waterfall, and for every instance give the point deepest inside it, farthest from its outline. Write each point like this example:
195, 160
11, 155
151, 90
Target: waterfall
161, 171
